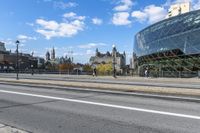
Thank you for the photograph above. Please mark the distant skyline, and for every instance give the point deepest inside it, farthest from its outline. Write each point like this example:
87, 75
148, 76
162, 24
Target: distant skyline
80, 26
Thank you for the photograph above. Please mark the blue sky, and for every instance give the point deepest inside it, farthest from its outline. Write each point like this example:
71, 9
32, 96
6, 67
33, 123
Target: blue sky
78, 26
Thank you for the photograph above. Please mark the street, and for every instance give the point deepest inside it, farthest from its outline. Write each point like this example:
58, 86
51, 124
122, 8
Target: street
42, 110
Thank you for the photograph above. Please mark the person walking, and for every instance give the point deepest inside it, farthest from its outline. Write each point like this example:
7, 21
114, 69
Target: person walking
146, 72
94, 72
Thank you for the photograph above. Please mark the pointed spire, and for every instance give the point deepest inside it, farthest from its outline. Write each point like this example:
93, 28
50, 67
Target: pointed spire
53, 54
97, 52
47, 55
114, 50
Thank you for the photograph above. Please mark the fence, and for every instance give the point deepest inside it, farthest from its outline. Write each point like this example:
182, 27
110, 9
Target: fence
174, 74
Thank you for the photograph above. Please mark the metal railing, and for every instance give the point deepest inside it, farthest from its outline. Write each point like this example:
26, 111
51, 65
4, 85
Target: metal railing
154, 74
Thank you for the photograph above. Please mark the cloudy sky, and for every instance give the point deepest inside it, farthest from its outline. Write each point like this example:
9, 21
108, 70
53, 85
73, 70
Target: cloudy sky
77, 27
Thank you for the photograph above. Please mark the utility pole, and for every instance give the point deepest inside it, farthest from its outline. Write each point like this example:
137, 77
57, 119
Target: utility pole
32, 64
70, 53
114, 61
17, 60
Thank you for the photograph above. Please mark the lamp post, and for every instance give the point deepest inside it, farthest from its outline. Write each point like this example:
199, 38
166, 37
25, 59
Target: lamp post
114, 61
17, 67
32, 65
71, 55
32, 69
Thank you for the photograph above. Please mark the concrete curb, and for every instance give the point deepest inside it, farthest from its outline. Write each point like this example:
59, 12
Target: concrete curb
120, 82
113, 87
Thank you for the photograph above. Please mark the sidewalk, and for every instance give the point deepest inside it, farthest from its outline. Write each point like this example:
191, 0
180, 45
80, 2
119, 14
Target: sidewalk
128, 78
195, 80
134, 78
105, 86
9, 129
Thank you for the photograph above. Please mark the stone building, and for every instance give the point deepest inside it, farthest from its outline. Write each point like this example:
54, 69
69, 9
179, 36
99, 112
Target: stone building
53, 54
47, 56
8, 60
108, 57
133, 61
52, 60
2, 47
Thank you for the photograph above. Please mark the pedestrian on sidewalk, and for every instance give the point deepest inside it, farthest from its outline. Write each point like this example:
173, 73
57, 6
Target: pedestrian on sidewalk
94, 72
146, 72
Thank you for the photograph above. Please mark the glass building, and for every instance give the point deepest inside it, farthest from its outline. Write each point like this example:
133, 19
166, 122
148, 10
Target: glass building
171, 45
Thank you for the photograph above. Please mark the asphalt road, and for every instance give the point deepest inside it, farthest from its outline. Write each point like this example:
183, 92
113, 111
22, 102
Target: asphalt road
153, 83
41, 110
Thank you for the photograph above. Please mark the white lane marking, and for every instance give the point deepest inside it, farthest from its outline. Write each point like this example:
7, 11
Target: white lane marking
105, 105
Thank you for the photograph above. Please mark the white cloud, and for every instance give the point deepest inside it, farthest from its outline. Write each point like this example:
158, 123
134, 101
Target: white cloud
141, 16
8, 41
47, 34
121, 18
72, 25
91, 45
171, 2
30, 24
90, 52
79, 54
97, 21
150, 13
10, 44
182, 1
63, 5
49, 25
24, 38
124, 5
72, 15
196, 6
69, 15
47, 0
153, 13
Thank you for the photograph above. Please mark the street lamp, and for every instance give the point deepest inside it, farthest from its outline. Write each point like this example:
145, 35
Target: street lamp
17, 68
114, 61
71, 55
32, 69
32, 64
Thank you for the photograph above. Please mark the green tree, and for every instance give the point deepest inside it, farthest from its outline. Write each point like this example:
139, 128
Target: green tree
51, 66
104, 69
66, 67
87, 68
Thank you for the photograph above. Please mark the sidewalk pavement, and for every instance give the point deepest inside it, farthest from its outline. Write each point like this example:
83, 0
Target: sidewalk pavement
9, 129
128, 78
194, 80
134, 78
105, 86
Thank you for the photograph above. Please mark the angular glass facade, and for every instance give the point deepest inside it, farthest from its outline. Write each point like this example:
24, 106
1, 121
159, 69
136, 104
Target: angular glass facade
172, 44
